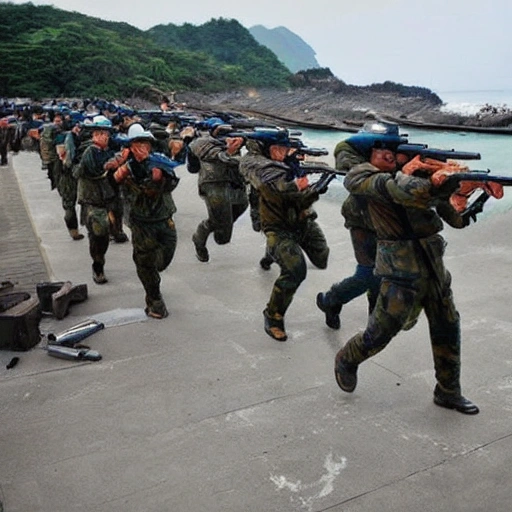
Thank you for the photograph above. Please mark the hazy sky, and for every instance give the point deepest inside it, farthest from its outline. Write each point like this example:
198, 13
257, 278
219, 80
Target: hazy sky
445, 45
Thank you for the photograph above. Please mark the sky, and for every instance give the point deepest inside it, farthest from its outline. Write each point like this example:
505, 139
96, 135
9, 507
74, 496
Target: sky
444, 45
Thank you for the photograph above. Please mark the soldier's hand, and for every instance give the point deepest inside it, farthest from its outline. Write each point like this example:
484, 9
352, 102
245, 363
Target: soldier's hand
450, 185
302, 182
156, 174
234, 144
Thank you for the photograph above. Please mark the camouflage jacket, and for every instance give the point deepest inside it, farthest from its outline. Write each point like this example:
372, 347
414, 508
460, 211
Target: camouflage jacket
407, 218
47, 145
215, 165
282, 205
94, 184
354, 208
148, 201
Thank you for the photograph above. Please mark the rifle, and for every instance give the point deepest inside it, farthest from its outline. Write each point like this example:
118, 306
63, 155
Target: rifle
481, 176
443, 155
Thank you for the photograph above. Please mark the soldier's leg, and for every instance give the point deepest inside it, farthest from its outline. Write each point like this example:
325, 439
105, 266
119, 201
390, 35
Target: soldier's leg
167, 238
392, 309
315, 245
67, 188
146, 253
116, 214
287, 253
99, 238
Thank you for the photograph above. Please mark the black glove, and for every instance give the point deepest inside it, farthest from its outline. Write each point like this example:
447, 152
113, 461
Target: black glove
448, 187
322, 184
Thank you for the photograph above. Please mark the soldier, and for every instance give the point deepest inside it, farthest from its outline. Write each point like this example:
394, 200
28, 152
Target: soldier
96, 194
148, 181
363, 239
287, 219
220, 184
7, 131
67, 184
406, 212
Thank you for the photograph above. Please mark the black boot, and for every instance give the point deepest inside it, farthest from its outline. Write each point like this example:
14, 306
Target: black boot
332, 313
97, 273
454, 401
345, 373
201, 250
274, 326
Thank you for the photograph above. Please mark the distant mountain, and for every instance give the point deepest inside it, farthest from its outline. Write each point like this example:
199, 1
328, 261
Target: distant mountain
289, 48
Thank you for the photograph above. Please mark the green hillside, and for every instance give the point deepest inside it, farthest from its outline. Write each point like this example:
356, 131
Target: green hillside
289, 48
46, 51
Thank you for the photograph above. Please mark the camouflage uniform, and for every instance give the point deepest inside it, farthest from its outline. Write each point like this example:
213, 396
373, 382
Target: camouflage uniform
48, 152
407, 219
154, 236
95, 195
288, 221
67, 186
220, 185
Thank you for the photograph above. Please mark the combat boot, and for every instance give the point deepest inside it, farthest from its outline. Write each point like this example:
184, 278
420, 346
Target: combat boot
75, 234
65, 296
156, 309
345, 373
201, 250
274, 326
98, 275
454, 401
332, 313
266, 262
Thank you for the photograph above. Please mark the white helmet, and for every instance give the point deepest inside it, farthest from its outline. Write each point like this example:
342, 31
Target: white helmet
137, 132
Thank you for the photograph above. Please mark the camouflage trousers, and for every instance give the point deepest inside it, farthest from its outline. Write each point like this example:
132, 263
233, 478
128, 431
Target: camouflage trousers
399, 303
287, 250
95, 219
225, 205
154, 244
67, 189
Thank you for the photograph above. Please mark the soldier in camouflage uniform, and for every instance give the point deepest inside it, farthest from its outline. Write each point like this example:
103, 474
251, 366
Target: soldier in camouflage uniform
48, 149
148, 182
67, 184
96, 194
407, 213
288, 221
220, 184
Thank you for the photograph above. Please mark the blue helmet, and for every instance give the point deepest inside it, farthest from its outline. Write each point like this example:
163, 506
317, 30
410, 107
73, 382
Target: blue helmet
376, 135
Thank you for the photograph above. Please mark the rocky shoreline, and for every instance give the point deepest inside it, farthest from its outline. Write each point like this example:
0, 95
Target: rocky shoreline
345, 110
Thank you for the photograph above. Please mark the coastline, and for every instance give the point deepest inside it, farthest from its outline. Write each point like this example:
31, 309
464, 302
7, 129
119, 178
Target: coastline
328, 110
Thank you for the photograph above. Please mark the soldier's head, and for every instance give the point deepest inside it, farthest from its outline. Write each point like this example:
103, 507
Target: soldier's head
101, 128
141, 141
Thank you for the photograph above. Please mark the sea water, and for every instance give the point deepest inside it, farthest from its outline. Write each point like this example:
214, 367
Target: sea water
495, 150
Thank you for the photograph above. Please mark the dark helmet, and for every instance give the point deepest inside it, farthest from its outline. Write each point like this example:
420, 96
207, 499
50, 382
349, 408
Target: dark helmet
376, 135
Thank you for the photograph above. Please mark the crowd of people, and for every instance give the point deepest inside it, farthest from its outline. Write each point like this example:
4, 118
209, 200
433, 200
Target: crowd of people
119, 167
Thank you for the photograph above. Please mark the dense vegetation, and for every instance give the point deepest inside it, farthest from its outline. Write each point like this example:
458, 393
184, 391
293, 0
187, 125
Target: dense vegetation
46, 51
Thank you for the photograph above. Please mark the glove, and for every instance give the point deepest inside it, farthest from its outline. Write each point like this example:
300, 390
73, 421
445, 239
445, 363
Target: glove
448, 187
322, 184
302, 182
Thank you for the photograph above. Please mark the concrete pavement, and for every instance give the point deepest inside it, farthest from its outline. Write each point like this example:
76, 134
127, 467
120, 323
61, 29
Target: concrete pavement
203, 411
